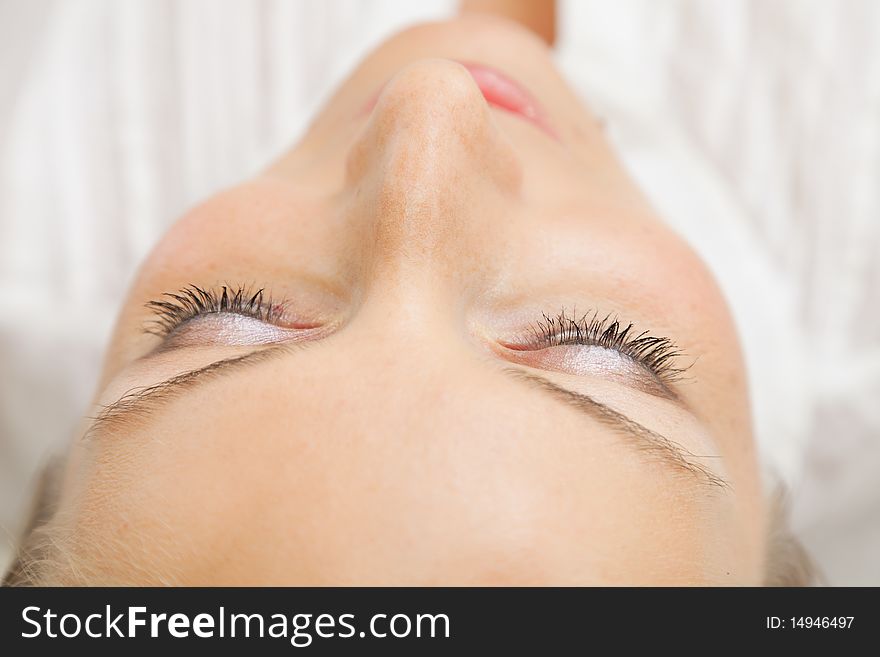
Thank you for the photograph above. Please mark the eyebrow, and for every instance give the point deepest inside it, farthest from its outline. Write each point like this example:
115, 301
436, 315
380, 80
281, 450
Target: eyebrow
645, 440
139, 403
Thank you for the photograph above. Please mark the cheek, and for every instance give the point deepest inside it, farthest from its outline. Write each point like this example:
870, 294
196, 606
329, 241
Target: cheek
258, 222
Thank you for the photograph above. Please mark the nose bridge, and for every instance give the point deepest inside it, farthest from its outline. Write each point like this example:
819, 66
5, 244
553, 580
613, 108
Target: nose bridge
430, 157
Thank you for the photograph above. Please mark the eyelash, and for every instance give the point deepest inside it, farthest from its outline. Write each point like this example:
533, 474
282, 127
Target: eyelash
192, 301
657, 354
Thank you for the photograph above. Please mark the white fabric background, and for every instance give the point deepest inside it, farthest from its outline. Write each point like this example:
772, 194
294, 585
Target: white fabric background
752, 124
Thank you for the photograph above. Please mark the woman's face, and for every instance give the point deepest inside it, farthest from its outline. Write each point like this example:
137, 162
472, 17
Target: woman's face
431, 388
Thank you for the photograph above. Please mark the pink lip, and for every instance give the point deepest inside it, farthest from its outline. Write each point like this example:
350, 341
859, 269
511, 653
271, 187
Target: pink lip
502, 92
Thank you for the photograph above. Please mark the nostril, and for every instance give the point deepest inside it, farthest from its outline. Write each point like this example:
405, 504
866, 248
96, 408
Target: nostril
498, 90
435, 88
429, 120
440, 79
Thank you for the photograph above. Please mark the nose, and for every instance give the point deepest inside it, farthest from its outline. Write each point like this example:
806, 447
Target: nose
431, 166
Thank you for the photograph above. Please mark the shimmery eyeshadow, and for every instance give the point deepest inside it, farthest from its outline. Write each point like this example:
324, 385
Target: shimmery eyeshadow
592, 360
228, 329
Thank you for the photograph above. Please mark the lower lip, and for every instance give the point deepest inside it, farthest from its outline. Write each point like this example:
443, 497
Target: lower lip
501, 92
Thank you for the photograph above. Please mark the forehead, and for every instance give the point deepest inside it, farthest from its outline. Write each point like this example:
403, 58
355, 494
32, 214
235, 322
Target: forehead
383, 477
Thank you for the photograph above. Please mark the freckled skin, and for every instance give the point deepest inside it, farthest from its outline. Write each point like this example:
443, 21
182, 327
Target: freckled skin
395, 450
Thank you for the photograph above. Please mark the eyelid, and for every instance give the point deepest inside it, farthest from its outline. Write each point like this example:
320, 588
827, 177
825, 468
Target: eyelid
655, 356
173, 309
229, 329
593, 360
233, 315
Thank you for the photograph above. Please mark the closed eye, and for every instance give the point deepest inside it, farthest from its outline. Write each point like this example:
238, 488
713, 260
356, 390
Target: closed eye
592, 344
176, 308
